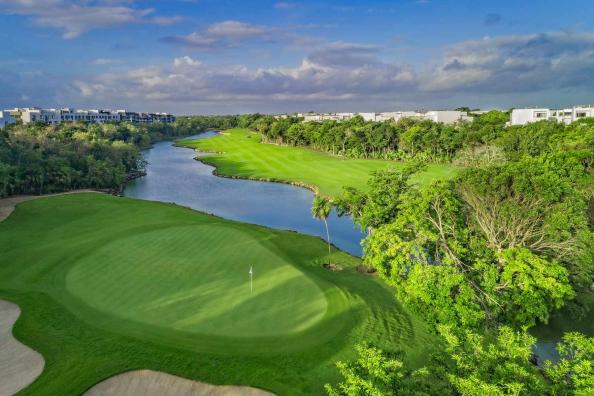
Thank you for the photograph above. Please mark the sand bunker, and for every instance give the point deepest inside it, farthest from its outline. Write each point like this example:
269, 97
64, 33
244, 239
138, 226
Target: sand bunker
154, 383
19, 364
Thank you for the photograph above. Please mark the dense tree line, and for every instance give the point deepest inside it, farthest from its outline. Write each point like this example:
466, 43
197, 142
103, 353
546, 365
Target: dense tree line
192, 124
507, 241
41, 158
482, 258
403, 139
469, 364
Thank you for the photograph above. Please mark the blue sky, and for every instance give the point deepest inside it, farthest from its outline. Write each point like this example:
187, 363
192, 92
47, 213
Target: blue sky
206, 56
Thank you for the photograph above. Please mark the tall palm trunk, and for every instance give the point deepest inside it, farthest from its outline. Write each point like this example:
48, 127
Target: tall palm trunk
328, 239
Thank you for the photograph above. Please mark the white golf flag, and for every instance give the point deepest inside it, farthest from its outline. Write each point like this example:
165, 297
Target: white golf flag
251, 279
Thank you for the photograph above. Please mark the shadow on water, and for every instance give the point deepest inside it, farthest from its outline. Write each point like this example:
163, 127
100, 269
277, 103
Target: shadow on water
173, 175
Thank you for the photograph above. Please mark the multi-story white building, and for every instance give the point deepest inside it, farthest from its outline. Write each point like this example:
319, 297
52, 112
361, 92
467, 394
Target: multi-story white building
524, 116
6, 118
52, 116
447, 116
307, 117
369, 116
35, 114
101, 116
444, 116
395, 115
567, 116
159, 117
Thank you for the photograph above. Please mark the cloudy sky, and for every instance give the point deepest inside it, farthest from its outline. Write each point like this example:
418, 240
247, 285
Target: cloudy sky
232, 56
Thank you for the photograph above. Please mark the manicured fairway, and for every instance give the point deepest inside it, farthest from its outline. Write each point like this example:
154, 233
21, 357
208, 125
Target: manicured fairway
241, 154
110, 284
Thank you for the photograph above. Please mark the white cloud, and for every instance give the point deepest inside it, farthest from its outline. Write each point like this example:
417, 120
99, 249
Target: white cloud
225, 34
186, 60
188, 79
231, 34
74, 18
104, 61
283, 5
166, 20
515, 63
509, 70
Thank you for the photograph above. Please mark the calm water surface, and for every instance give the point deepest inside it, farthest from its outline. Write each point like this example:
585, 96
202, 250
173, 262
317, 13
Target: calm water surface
173, 175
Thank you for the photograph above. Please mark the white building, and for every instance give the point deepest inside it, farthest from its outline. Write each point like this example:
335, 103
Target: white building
52, 116
71, 115
307, 117
369, 116
567, 116
524, 116
35, 114
447, 116
393, 115
444, 116
6, 118
101, 116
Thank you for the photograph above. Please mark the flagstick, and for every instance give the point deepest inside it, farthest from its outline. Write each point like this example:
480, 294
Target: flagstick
251, 280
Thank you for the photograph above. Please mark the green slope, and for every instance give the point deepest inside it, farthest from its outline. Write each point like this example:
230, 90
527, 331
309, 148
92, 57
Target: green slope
240, 154
112, 284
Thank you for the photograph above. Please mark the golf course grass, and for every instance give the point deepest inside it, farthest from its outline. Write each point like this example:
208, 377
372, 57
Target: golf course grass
240, 153
107, 285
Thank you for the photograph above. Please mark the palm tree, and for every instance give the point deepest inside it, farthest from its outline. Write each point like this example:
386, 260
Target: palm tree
321, 208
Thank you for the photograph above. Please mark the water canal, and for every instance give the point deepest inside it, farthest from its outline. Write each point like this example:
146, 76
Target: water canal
173, 175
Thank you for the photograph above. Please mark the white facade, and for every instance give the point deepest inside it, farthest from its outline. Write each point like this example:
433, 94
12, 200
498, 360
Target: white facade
524, 116
392, 115
567, 116
101, 116
6, 118
447, 116
368, 116
34, 114
307, 117
53, 116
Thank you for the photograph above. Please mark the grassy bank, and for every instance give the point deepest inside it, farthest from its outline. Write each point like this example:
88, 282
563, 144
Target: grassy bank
240, 153
111, 284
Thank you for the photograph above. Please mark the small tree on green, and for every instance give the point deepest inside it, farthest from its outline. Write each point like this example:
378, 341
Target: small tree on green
321, 208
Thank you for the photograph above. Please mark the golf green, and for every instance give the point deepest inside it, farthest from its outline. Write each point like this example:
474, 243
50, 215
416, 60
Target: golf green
240, 153
108, 284
188, 278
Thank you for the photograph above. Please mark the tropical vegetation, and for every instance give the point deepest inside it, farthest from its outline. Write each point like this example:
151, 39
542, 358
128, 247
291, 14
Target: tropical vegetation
40, 158
483, 257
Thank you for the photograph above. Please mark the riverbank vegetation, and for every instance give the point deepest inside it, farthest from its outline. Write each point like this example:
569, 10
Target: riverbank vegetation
485, 256
41, 158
